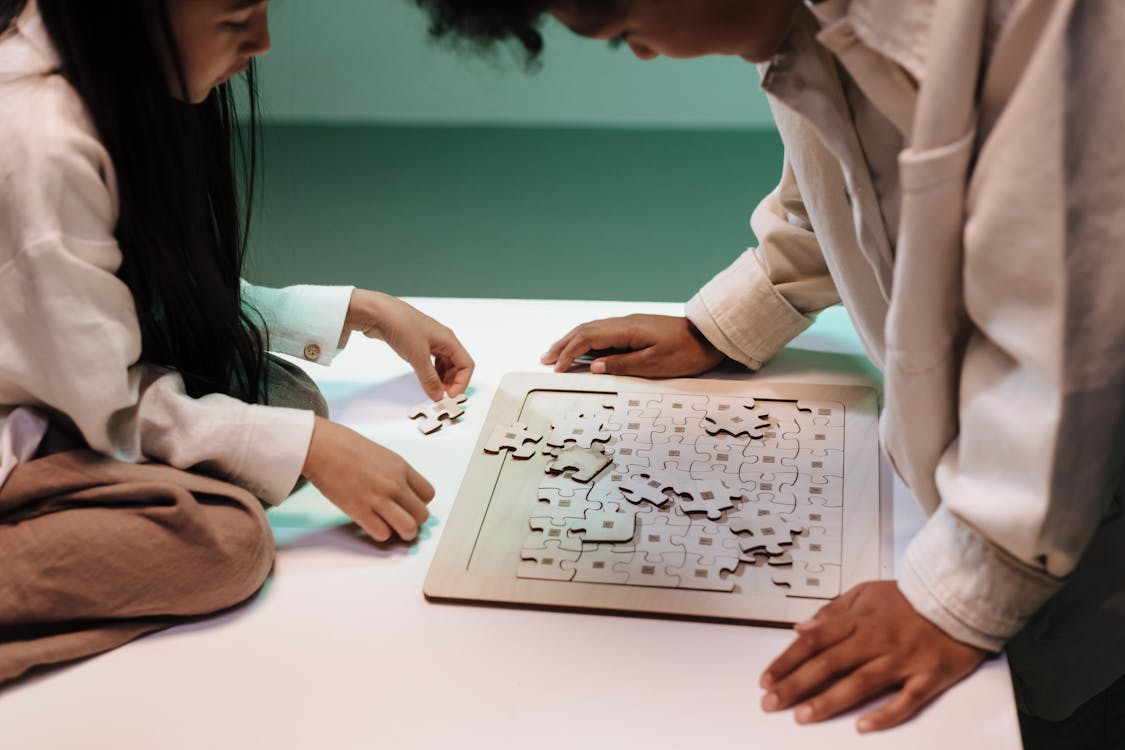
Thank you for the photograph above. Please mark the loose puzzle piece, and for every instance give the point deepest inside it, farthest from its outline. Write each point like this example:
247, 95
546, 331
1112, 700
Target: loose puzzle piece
581, 429
648, 486
515, 438
819, 582
764, 528
433, 414
560, 506
736, 418
709, 497
586, 462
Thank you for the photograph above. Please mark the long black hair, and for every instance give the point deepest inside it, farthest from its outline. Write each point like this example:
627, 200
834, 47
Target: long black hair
180, 169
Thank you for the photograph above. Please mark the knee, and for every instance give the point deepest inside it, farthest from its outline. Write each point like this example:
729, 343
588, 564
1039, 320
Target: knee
240, 554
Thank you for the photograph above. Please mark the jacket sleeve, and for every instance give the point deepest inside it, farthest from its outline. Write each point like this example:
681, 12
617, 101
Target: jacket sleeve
301, 321
772, 292
70, 340
1039, 452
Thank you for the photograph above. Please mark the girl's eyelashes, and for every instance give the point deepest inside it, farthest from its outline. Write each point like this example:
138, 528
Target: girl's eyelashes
239, 25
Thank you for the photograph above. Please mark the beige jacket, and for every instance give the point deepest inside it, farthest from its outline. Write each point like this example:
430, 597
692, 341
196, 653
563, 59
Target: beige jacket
955, 175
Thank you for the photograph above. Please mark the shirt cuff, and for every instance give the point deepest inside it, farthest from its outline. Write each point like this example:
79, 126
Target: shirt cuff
970, 588
303, 321
743, 315
275, 447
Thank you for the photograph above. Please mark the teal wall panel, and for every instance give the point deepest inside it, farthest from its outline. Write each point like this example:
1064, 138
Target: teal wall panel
370, 61
560, 213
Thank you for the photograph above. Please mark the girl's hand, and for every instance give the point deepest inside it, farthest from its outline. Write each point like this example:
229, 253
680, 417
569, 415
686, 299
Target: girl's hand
865, 643
439, 360
658, 346
375, 487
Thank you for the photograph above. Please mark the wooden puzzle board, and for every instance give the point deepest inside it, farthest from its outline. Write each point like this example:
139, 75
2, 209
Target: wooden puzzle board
721, 499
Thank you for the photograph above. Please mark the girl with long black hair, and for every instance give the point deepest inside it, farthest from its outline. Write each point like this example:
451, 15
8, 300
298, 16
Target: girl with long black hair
141, 419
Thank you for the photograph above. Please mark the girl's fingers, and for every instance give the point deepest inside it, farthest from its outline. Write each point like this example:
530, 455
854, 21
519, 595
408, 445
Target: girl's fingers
373, 525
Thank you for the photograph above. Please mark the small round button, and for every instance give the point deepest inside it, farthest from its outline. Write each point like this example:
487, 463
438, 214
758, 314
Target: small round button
312, 352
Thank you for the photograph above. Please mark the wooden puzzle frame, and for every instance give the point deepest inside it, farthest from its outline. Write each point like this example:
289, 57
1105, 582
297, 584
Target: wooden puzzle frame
473, 561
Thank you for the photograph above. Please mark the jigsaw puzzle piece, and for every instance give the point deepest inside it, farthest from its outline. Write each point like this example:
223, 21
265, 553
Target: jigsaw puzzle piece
580, 429
632, 405
628, 452
812, 581
607, 489
762, 528
812, 512
680, 409
431, 415
820, 467
817, 546
600, 526
546, 562
643, 571
654, 536
676, 455
829, 492
586, 462
598, 564
514, 437
543, 531
641, 429
708, 497
648, 486
735, 417
826, 414
696, 574
708, 541
559, 506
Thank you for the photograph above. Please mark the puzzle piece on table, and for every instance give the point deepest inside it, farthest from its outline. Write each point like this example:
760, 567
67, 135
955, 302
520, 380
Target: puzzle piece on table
581, 429
804, 580
598, 564
632, 405
694, 573
586, 462
645, 571
434, 413
829, 492
546, 562
600, 526
647, 486
820, 467
516, 438
708, 497
736, 417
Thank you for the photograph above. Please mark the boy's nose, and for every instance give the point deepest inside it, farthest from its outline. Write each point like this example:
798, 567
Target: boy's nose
641, 51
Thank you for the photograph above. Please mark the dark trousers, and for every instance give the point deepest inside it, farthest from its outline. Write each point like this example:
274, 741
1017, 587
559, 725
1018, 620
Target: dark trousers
1098, 724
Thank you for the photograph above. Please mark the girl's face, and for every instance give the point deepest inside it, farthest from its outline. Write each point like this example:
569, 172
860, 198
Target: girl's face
216, 38
752, 29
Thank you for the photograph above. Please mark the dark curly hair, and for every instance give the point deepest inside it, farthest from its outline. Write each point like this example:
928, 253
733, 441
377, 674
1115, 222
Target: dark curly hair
481, 24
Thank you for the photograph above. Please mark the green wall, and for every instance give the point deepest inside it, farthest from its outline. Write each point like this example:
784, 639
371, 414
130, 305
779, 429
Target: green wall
371, 61
396, 164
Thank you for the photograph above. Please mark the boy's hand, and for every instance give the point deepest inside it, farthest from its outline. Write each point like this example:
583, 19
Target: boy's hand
439, 360
867, 642
659, 346
375, 487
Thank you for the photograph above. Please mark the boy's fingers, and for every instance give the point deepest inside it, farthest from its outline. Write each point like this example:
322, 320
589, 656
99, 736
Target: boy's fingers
916, 692
862, 685
639, 362
811, 642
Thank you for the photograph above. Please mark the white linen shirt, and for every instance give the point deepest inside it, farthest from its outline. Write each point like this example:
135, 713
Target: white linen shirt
70, 341
954, 175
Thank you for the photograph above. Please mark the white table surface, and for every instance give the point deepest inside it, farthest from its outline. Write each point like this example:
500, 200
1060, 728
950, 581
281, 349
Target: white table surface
342, 651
